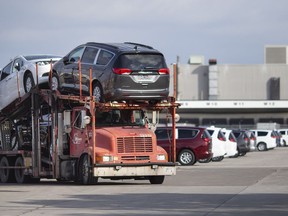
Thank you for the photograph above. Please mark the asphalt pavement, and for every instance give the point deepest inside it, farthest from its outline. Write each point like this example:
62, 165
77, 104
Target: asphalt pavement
256, 184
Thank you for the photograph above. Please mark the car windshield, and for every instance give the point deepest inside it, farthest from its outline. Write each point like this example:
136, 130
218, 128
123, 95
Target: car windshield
120, 118
141, 61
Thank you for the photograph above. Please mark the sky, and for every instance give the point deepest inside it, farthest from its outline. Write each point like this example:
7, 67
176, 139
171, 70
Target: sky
231, 31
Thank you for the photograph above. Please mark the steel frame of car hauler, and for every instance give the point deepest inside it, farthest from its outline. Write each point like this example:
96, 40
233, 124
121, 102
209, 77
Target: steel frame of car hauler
31, 161
36, 157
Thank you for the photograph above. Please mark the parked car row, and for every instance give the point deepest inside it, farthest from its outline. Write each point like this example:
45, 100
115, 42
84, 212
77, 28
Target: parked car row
205, 144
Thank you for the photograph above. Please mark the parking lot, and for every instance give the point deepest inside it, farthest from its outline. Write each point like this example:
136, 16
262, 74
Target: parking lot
254, 184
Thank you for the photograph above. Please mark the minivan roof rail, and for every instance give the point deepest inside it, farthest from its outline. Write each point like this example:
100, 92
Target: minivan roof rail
138, 44
102, 44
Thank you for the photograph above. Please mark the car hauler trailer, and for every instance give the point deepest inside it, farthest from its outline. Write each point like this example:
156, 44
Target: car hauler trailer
73, 138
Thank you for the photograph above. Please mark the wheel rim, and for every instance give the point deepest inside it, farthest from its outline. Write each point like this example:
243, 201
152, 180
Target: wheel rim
28, 84
4, 173
186, 158
261, 147
54, 83
97, 93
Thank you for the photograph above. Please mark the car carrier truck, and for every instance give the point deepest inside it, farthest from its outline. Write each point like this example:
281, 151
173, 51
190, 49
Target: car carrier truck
73, 138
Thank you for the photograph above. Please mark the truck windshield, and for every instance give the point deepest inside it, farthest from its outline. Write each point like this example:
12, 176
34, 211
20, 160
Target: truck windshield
120, 118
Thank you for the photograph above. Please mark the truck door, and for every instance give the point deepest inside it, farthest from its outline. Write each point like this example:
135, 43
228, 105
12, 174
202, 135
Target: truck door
79, 134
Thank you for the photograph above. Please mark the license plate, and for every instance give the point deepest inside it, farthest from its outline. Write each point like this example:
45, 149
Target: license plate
144, 78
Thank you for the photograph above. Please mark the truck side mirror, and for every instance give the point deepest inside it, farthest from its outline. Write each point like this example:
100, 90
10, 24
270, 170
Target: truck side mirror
85, 120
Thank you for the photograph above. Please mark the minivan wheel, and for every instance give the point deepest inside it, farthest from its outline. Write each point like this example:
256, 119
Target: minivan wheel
186, 157
261, 147
97, 92
28, 82
207, 160
218, 159
54, 83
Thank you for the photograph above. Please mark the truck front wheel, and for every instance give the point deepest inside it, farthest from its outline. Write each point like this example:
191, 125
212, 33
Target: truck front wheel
156, 179
85, 171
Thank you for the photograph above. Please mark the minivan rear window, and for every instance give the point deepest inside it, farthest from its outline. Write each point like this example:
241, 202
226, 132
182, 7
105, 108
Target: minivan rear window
262, 133
141, 61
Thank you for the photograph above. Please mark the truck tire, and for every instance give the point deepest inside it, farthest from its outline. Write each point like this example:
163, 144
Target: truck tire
28, 82
156, 179
85, 176
19, 173
186, 157
4, 173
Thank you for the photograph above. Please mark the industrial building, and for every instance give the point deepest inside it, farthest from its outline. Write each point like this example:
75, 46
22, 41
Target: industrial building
234, 95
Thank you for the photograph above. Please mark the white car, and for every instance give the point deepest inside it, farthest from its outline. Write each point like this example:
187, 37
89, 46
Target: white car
218, 143
266, 139
19, 76
230, 143
284, 138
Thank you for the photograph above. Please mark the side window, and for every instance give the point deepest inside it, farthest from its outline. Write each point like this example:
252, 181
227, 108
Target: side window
89, 55
76, 54
183, 133
18, 63
78, 120
163, 134
210, 132
282, 132
262, 133
104, 57
6, 71
236, 134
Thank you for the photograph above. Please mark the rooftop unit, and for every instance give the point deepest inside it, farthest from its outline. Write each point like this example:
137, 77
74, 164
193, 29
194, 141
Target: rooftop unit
276, 54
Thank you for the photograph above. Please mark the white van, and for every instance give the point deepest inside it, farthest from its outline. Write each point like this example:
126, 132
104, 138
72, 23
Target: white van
266, 139
230, 143
218, 143
284, 138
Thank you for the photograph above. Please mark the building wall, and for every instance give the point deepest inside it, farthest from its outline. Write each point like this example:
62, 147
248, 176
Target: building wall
192, 82
235, 82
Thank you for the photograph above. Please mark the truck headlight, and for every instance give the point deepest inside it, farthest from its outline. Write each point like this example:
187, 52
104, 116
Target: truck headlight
107, 158
161, 157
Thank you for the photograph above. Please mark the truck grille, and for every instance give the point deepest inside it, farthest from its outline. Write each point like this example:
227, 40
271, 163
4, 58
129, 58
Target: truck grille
134, 144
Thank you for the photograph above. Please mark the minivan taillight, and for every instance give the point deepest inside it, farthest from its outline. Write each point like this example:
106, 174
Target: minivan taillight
121, 71
163, 71
206, 139
232, 139
222, 138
